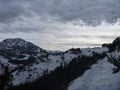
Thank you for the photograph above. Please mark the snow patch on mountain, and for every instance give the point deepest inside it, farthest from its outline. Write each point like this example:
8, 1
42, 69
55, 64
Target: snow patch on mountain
99, 77
27, 62
91, 51
3, 63
36, 70
68, 57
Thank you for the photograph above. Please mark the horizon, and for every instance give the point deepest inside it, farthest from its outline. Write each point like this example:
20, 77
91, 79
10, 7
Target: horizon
99, 45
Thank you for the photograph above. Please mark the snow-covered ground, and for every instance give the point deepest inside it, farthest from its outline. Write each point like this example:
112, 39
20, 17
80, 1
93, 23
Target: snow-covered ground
32, 72
99, 77
4, 62
91, 51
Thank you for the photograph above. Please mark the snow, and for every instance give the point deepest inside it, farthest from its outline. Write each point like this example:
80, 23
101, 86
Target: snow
4, 62
68, 57
99, 77
26, 56
90, 51
115, 54
36, 70
31, 73
8, 43
54, 57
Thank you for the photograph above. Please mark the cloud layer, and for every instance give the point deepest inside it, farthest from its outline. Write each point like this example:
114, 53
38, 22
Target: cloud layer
60, 24
64, 10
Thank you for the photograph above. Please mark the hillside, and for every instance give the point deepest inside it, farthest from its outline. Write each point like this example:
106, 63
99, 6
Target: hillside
25, 66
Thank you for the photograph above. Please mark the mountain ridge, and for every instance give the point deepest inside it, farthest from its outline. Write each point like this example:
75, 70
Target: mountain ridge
26, 65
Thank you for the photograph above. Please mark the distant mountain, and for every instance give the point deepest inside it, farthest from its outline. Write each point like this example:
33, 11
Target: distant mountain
19, 46
25, 66
24, 59
18, 49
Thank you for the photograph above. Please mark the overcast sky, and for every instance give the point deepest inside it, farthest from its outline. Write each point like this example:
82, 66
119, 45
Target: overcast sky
60, 24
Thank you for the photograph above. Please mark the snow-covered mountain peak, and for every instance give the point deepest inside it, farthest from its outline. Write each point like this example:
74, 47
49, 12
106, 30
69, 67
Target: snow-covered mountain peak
17, 49
18, 44
15, 42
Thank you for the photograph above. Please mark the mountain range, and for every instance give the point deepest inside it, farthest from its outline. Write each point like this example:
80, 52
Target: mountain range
25, 66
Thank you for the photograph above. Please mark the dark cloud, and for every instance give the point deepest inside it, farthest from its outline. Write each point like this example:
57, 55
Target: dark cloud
68, 10
62, 10
11, 10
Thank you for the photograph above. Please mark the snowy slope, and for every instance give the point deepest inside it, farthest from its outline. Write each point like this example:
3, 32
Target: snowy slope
100, 77
4, 62
91, 51
36, 70
27, 62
